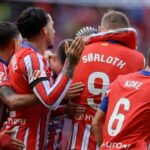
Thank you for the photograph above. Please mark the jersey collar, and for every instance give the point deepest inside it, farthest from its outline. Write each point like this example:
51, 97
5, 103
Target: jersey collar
28, 45
144, 72
4, 62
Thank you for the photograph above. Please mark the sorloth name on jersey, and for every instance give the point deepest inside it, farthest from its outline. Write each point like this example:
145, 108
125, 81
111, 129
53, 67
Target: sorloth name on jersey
104, 59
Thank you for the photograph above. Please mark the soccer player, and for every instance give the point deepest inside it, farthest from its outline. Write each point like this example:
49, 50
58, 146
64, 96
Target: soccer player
108, 54
29, 73
57, 117
10, 40
126, 111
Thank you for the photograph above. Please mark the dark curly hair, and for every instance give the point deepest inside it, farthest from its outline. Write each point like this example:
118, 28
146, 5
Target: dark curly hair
8, 31
31, 21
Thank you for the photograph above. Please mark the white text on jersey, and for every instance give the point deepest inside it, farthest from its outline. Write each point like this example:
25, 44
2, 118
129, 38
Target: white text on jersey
133, 84
104, 59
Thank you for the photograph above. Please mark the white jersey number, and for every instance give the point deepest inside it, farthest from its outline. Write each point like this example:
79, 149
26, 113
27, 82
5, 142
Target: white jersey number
97, 91
118, 116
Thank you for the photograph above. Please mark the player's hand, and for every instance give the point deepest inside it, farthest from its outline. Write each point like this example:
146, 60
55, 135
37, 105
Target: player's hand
54, 61
16, 144
73, 110
74, 51
75, 90
8, 142
48, 55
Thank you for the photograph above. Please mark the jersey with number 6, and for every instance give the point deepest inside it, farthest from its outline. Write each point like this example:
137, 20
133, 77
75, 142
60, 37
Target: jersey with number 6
127, 124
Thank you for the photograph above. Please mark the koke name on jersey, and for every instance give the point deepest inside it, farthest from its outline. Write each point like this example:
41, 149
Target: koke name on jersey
133, 84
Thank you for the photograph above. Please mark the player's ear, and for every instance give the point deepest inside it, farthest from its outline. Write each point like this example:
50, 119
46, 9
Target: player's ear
99, 28
12, 44
44, 30
18, 42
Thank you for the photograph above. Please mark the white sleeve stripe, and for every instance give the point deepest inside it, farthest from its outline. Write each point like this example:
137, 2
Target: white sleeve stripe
59, 77
56, 82
46, 86
16, 130
58, 101
5, 68
40, 61
29, 68
37, 94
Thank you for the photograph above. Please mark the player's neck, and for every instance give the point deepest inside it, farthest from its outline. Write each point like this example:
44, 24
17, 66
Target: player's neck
147, 68
38, 44
4, 55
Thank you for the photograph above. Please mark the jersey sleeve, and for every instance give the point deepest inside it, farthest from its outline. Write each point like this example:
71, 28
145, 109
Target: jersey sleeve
104, 104
3, 76
105, 100
50, 96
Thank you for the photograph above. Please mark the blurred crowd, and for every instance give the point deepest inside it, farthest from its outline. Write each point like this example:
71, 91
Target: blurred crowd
70, 18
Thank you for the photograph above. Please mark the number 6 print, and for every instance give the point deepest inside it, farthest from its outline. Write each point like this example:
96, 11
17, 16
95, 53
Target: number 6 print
120, 117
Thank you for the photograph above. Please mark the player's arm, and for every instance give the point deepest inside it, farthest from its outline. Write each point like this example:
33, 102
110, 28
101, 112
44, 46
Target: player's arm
51, 96
74, 91
16, 101
98, 121
8, 142
8, 95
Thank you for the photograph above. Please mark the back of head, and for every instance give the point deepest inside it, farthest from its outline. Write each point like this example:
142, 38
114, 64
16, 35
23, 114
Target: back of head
8, 31
60, 50
114, 20
31, 21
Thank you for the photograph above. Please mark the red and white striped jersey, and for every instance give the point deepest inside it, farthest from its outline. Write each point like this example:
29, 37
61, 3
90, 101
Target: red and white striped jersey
3, 82
3, 75
28, 73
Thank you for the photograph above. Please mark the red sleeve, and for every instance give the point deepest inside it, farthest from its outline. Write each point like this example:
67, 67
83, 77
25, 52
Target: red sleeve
50, 96
5, 141
3, 76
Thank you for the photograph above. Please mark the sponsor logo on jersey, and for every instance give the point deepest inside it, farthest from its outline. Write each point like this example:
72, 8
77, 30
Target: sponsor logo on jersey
16, 121
111, 145
85, 117
14, 63
3, 77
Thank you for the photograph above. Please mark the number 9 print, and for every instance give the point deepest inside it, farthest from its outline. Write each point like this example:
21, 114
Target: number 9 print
97, 91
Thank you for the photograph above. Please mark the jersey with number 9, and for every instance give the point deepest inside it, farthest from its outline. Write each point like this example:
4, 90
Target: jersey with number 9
100, 64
